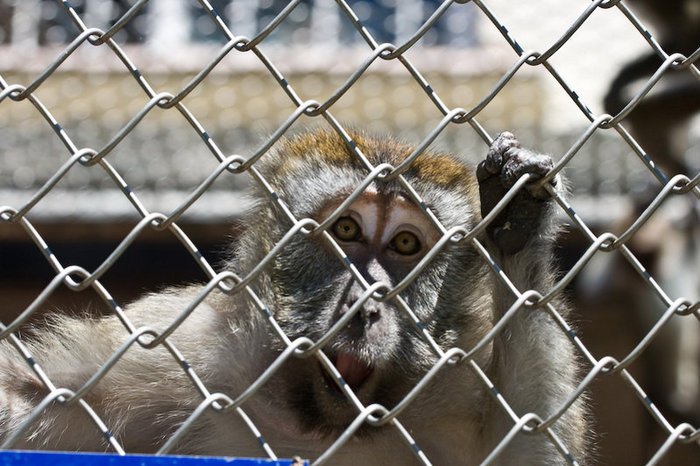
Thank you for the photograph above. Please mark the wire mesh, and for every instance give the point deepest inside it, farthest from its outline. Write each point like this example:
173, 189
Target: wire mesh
402, 50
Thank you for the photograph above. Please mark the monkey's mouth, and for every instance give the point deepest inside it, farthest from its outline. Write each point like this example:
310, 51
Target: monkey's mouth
353, 371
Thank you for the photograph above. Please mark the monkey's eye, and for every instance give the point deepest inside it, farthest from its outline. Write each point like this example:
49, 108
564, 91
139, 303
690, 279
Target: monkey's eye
405, 243
347, 229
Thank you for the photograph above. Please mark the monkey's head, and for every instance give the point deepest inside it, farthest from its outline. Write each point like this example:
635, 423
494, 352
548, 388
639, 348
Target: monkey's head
383, 235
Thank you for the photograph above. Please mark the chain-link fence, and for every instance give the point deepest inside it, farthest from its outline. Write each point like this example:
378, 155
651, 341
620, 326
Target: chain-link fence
633, 213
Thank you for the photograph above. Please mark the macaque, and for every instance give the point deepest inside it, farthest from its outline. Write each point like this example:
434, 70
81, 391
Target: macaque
307, 287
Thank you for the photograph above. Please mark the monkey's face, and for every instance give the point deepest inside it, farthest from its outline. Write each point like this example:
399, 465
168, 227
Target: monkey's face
318, 280
384, 236
378, 353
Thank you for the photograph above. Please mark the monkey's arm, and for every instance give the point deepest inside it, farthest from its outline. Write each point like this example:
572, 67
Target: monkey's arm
141, 399
537, 365
69, 357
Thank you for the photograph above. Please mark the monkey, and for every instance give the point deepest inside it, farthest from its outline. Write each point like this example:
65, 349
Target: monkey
659, 121
307, 286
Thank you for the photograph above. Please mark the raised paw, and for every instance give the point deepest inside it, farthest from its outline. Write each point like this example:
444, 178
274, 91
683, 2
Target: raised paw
522, 218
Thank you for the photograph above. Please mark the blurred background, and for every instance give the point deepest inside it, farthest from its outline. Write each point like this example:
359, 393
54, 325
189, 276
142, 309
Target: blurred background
93, 96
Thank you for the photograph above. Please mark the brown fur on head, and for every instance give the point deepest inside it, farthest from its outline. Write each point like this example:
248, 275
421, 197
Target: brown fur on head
328, 146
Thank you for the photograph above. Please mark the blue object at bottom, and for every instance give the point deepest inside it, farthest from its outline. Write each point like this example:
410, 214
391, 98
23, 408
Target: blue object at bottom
40, 458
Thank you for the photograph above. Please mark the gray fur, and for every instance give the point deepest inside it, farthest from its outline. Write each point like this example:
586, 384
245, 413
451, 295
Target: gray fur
228, 342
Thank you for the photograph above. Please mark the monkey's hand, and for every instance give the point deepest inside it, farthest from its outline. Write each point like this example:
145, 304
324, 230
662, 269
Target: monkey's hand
523, 217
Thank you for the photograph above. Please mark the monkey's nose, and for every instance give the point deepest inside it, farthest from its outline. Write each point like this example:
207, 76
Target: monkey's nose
369, 313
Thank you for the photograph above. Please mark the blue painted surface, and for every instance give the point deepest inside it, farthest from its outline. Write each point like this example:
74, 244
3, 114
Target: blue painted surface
34, 458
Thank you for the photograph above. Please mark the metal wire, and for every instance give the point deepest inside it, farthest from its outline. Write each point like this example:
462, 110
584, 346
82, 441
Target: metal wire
97, 158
